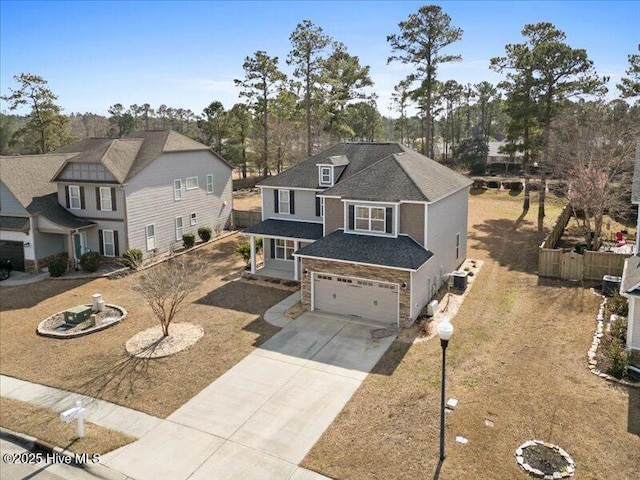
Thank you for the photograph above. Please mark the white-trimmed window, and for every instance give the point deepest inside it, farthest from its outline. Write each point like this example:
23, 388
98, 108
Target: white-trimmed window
108, 243
194, 219
179, 228
192, 183
210, 183
457, 246
325, 176
284, 249
284, 201
150, 231
177, 189
105, 199
370, 219
74, 197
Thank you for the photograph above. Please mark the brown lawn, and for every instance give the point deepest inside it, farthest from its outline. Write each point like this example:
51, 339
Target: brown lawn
517, 357
247, 200
98, 365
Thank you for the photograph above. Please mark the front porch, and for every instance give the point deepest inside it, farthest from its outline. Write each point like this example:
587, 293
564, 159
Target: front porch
274, 272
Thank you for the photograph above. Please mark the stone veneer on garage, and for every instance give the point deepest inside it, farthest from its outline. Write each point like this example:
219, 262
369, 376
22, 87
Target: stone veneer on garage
359, 271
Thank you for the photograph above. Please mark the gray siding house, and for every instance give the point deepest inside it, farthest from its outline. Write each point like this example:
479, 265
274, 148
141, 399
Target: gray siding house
108, 195
370, 229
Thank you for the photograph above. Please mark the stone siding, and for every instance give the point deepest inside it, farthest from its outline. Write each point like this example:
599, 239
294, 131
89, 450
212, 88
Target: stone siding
358, 271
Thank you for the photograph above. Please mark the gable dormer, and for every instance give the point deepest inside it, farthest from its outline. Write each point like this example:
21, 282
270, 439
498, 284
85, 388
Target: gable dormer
329, 170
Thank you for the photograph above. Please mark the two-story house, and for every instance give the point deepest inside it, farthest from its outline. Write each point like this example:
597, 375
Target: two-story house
370, 229
108, 195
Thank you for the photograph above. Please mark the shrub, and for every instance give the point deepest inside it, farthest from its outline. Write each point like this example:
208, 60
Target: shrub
189, 240
132, 258
618, 305
204, 233
616, 357
58, 265
91, 261
244, 249
619, 330
478, 169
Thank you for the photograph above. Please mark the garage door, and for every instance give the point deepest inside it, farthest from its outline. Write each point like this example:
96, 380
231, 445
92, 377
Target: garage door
358, 297
14, 251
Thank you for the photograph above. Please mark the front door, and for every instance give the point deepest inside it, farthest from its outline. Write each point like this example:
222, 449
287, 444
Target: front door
79, 244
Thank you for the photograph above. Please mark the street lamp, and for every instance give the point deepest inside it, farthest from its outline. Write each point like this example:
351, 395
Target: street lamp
445, 330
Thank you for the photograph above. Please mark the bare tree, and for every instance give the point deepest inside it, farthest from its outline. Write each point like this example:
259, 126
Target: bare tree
165, 287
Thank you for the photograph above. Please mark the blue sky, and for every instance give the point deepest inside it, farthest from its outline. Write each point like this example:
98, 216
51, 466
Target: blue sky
186, 54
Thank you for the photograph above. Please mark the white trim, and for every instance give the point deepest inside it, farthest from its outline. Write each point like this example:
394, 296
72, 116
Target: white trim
102, 206
175, 224
291, 188
193, 219
284, 248
369, 218
309, 240
630, 322
321, 175
71, 198
358, 263
112, 243
280, 202
209, 184
327, 196
426, 227
365, 202
152, 237
177, 192
292, 220
186, 183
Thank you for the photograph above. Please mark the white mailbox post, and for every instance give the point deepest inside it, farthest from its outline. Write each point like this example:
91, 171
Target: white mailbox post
75, 413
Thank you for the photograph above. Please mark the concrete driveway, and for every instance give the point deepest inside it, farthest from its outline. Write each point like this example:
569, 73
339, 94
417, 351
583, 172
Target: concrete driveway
259, 419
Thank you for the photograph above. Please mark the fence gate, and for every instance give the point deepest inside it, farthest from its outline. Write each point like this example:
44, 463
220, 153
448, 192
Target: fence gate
572, 266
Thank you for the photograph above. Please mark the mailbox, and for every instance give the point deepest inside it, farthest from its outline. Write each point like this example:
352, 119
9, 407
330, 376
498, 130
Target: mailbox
72, 414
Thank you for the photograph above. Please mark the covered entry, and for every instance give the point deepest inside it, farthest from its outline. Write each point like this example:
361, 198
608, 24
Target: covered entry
358, 297
14, 251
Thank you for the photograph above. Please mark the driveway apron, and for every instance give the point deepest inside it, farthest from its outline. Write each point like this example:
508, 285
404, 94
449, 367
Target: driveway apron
260, 419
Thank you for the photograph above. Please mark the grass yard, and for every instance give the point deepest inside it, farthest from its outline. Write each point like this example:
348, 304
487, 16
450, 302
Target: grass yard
97, 365
517, 358
247, 200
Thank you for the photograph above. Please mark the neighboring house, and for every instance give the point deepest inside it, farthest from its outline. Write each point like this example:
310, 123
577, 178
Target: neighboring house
370, 229
108, 195
495, 155
630, 286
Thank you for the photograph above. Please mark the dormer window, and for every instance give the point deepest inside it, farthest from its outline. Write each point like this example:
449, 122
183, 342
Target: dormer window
325, 176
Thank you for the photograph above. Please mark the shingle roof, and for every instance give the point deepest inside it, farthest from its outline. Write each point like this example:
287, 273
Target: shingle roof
360, 156
402, 252
635, 191
401, 176
631, 276
288, 229
14, 223
126, 157
48, 206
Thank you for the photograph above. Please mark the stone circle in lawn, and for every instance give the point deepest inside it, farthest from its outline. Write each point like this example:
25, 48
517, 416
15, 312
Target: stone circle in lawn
56, 327
545, 460
151, 344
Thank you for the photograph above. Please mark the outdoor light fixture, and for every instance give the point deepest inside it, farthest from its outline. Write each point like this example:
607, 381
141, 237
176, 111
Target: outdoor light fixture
445, 330
404, 285
306, 271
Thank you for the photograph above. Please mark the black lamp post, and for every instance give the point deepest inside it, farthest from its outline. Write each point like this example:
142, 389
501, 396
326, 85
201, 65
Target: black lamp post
445, 330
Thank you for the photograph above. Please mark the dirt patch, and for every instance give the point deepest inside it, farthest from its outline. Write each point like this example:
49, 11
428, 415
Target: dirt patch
517, 357
247, 200
98, 365
44, 424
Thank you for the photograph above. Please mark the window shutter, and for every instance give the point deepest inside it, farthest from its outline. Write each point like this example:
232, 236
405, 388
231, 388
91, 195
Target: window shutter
101, 241
113, 201
82, 198
66, 195
98, 202
115, 242
276, 202
292, 204
389, 220
352, 214
273, 248
317, 206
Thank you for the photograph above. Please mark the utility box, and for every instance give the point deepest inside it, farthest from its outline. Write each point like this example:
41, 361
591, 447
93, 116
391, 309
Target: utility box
610, 285
77, 314
432, 308
460, 279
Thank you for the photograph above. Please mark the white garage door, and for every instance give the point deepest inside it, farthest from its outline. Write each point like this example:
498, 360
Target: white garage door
350, 296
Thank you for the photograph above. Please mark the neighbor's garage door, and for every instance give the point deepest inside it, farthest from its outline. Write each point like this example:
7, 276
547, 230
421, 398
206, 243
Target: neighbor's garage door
14, 251
359, 297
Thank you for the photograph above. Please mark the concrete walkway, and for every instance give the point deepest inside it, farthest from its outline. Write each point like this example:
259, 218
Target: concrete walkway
260, 419
105, 414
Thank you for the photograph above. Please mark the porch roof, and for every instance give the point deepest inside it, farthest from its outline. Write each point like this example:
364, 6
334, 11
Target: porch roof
48, 206
402, 252
287, 229
19, 224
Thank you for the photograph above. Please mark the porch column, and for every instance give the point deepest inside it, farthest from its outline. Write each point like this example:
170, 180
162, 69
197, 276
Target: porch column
252, 241
296, 274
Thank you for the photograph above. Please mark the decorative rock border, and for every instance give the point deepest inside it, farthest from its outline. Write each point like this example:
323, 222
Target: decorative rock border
591, 354
538, 473
65, 335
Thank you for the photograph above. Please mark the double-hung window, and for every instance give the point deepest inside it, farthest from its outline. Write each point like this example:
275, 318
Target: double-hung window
284, 201
192, 183
179, 228
194, 219
284, 249
151, 237
210, 183
325, 175
108, 243
177, 189
371, 219
74, 197
105, 199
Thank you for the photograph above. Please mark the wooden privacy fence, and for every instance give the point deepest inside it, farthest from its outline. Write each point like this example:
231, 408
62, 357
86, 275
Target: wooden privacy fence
570, 265
245, 218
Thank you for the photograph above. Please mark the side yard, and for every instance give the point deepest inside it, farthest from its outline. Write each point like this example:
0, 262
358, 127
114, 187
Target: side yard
517, 358
97, 365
